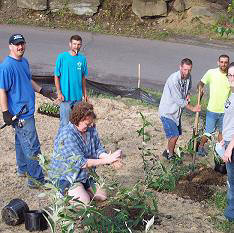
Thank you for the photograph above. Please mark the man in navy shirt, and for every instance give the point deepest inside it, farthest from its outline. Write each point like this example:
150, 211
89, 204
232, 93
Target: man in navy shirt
16, 90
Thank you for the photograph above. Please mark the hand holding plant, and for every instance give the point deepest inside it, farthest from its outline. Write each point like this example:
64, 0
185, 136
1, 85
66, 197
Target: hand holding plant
114, 157
117, 165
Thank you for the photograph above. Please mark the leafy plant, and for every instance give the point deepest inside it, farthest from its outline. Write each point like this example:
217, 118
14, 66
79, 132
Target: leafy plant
156, 175
124, 211
227, 27
49, 109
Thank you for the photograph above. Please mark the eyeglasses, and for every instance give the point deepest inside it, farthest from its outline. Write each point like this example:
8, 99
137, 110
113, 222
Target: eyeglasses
230, 75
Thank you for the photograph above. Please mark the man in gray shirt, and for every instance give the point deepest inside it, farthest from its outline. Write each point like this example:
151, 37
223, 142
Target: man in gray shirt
175, 97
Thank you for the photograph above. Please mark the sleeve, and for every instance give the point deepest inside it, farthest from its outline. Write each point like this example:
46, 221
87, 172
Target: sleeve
85, 68
70, 148
206, 78
99, 148
5, 79
58, 65
174, 88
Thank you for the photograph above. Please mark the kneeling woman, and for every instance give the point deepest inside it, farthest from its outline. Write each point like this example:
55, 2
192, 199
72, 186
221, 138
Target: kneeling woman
77, 148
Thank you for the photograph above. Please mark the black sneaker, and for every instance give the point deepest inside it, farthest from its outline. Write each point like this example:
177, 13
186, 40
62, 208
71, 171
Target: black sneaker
166, 155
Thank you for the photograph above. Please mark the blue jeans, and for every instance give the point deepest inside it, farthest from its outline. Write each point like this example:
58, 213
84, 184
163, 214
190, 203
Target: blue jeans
170, 128
229, 211
214, 121
27, 147
65, 110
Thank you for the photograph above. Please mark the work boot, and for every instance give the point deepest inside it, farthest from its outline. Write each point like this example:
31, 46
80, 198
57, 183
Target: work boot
201, 151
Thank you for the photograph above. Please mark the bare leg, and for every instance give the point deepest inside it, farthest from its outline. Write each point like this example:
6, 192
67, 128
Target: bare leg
203, 141
79, 193
171, 144
220, 137
99, 195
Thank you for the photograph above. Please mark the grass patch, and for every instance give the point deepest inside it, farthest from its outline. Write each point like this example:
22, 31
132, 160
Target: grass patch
220, 200
223, 225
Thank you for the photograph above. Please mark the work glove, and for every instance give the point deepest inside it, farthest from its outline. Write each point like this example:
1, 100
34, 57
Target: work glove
47, 93
7, 117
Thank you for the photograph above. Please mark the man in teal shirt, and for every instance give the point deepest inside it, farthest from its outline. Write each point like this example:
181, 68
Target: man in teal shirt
69, 76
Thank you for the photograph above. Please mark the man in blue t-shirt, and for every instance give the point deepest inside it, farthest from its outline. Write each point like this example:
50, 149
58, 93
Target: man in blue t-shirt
69, 76
16, 90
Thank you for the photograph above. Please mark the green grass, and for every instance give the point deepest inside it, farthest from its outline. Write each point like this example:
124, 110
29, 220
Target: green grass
223, 225
219, 202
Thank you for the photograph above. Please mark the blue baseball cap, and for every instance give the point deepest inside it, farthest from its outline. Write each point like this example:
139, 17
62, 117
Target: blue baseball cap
16, 39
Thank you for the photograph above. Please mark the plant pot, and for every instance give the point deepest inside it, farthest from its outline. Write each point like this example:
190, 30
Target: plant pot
35, 220
13, 213
221, 168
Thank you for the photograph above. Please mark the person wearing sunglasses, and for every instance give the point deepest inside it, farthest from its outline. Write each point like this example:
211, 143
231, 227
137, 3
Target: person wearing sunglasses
228, 143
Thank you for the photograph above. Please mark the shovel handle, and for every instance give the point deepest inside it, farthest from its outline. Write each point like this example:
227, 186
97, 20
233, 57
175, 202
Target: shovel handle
196, 125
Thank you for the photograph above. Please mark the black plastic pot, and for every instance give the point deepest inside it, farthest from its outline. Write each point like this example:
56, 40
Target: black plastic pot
35, 220
13, 213
221, 168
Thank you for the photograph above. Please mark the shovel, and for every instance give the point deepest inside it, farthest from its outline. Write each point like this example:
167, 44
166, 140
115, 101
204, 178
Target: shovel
23, 110
195, 131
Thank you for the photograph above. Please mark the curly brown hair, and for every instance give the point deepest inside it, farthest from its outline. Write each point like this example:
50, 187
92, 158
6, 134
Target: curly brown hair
80, 112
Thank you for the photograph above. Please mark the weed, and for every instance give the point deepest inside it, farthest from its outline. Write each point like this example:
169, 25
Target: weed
156, 175
11, 21
225, 25
220, 200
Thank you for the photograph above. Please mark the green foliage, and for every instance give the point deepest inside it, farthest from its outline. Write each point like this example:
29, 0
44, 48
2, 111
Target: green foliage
220, 200
223, 225
124, 211
227, 26
49, 109
142, 132
156, 175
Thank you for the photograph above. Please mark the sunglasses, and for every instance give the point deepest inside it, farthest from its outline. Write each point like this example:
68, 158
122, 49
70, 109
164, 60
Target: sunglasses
230, 75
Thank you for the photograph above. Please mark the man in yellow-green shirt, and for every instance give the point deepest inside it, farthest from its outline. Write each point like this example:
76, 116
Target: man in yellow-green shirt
219, 90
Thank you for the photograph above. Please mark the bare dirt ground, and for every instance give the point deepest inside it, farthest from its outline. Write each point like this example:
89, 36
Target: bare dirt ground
117, 123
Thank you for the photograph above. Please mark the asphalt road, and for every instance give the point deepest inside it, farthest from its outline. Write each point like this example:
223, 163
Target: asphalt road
114, 59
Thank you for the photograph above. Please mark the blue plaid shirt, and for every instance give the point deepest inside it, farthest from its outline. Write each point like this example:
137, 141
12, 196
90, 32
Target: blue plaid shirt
71, 152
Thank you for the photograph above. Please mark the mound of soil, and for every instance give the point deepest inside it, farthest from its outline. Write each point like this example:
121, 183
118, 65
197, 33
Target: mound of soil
199, 185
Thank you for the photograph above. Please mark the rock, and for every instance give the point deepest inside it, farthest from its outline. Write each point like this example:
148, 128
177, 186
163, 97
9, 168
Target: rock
144, 8
33, 4
56, 5
179, 5
202, 13
78, 7
84, 7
